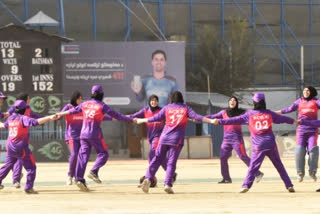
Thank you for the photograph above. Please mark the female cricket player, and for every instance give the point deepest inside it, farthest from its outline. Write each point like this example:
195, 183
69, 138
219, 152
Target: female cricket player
17, 168
154, 131
171, 140
17, 143
91, 134
72, 132
306, 136
232, 139
263, 141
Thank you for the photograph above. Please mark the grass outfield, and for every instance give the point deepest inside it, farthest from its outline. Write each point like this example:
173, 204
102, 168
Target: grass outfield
196, 191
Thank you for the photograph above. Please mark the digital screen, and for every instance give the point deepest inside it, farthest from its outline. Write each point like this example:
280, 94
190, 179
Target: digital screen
125, 70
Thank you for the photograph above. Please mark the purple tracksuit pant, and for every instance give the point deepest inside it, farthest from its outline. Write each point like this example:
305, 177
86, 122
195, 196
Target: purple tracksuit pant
256, 161
84, 154
16, 171
25, 156
225, 153
161, 154
74, 146
152, 152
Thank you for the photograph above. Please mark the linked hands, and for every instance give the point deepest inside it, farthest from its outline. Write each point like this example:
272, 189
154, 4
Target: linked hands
215, 121
139, 120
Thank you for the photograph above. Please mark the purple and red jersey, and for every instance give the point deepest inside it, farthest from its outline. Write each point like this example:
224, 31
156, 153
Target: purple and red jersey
176, 116
74, 123
93, 114
154, 129
260, 126
307, 110
231, 133
18, 126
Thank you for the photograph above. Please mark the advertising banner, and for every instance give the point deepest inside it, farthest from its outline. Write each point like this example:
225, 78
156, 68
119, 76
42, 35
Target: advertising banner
128, 71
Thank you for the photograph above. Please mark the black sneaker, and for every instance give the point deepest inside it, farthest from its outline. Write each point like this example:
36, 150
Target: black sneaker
291, 189
140, 181
313, 176
30, 191
318, 190
225, 181
94, 177
82, 186
1, 186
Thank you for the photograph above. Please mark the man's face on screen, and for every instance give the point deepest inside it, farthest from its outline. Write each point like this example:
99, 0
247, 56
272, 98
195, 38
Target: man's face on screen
158, 63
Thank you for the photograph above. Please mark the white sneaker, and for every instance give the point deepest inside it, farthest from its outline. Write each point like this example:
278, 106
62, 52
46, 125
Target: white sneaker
82, 186
69, 180
291, 189
244, 190
168, 189
259, 177
145, 185
16, 185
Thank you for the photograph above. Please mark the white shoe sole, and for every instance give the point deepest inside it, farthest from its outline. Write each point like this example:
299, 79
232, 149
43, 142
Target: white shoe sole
244, 190
145, 186
168, 190
259, 178
82, 187
98, 181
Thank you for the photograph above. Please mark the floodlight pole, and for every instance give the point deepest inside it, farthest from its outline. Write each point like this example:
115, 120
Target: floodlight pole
61, 14
301, 68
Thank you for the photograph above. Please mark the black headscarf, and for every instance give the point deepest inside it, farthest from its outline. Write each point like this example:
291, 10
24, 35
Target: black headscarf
236, 111
313, 93
75, 95
177, 97
153, 96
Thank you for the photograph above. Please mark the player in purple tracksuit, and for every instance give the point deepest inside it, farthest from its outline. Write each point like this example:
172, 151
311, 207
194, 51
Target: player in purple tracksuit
306, 136
154, 131
312, 123
18, 142
17, 169
72, 132
263, 141
171, 140
232, 139
91, 134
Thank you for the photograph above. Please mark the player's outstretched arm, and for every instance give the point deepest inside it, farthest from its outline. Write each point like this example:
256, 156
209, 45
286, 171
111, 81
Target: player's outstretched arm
43, 120
61, 114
